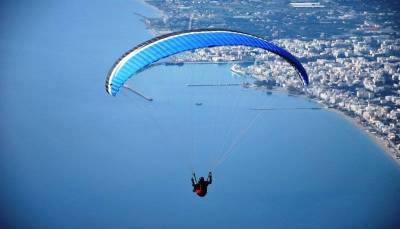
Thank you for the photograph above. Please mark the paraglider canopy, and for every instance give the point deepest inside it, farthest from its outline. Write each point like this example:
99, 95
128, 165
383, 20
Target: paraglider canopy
163, 46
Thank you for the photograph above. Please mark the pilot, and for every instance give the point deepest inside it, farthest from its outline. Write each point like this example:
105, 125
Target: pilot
200, 188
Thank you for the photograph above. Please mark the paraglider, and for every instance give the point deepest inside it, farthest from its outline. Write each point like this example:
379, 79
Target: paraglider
144, 55
151, 51
200, 187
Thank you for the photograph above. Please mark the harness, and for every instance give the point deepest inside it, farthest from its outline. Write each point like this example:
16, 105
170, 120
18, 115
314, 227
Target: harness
199, 191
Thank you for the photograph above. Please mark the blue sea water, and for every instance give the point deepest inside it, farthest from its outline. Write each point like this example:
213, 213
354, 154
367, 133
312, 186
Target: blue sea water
74, 157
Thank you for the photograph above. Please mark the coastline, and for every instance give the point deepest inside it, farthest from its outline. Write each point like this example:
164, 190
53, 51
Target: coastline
157, 12
390, 151
383, 144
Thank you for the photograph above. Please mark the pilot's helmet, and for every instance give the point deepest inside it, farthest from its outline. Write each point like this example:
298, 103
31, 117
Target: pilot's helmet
202, 179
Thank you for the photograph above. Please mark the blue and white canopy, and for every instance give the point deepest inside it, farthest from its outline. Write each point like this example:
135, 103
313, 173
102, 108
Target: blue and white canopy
158, 48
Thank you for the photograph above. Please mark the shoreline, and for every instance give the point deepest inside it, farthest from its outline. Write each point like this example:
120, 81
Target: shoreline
390, 151
383, 144
157, 12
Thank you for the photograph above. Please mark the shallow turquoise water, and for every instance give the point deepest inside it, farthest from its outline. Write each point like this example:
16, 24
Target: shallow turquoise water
74, 157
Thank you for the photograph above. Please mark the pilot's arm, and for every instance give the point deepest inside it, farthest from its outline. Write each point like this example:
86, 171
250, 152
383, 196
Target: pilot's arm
209, 179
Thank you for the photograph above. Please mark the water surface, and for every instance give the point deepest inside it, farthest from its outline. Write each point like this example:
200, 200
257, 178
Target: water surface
74, 157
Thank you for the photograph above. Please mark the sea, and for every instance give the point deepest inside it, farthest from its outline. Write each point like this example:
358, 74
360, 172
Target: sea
72, 156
